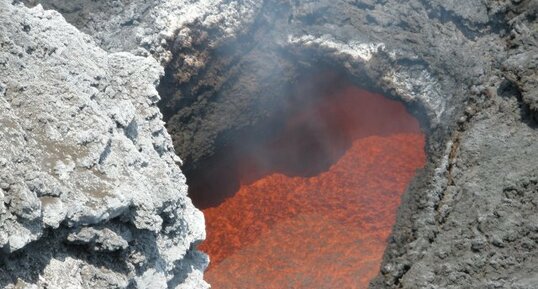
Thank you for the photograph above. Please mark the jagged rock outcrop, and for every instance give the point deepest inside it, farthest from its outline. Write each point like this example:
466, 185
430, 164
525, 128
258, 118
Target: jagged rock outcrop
91, 192
154, 26
467, 69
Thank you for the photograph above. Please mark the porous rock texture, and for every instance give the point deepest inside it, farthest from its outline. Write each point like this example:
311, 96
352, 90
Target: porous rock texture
91, 193
467, 69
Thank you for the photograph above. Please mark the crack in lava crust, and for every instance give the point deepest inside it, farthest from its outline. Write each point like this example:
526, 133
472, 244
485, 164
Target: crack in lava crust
326, 230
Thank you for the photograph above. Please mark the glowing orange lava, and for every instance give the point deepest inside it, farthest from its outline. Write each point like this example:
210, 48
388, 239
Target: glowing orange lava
288, 226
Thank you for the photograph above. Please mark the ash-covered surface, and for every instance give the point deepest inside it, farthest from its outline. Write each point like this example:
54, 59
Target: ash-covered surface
468, 69
91, 194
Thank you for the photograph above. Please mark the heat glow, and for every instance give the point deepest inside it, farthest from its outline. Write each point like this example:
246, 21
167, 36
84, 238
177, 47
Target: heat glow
316, 203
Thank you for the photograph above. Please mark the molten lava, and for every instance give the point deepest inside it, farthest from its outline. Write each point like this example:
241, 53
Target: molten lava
315, 203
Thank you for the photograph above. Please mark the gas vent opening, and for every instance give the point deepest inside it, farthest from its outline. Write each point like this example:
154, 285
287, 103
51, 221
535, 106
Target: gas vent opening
308, 199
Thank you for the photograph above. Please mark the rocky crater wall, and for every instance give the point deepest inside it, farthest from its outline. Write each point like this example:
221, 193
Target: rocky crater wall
466, 69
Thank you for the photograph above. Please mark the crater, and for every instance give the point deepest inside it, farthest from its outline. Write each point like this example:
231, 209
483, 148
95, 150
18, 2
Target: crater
306, 197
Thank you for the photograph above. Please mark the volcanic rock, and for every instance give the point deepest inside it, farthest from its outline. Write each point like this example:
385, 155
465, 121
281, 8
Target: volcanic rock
87, 165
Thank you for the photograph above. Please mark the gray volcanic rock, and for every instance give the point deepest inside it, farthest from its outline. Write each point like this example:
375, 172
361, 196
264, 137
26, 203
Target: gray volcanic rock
179, 32
91, 193
521, 67
486, 218
152, 26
